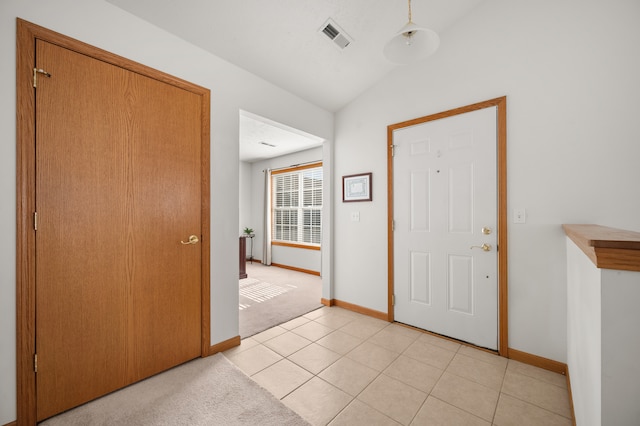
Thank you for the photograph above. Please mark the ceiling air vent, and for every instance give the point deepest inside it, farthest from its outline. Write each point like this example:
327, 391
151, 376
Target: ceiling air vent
336, 34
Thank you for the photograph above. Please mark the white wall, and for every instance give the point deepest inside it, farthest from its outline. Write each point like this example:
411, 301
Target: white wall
620, 347
104, 25
584, 336
603, 346
308, 260
570, 71
299, 258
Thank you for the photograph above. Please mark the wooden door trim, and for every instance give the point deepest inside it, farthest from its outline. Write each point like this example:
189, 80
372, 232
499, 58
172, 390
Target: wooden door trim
501, 126
27, 34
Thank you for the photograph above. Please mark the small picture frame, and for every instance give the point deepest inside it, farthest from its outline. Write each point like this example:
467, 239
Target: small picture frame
356, 187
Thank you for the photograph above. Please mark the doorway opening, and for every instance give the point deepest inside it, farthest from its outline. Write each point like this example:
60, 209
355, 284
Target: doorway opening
283, 206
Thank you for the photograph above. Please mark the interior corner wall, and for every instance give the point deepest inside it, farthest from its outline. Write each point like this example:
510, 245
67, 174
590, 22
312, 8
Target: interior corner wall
105, 26
300, 258
246, 199
570, 72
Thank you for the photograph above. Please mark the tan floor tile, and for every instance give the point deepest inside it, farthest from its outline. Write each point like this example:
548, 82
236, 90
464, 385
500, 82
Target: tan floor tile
373, 356
481, 372
312, 331
314, 358
282, 378
287, 343
393, 398
334, 321
514, 412
316, 314
392, 340
484, 356
430, 354
414, 373
255, 359
296, 322
438, 413
375, 321
269, 334
404, 330
245, 344
349, 375
538, 373
440, 342
317, 401
469, 396
340, 342
362, 359
536, 392
359, 413
363, 329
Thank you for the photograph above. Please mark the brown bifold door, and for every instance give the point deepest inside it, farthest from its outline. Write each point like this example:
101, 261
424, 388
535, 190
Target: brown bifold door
118, 195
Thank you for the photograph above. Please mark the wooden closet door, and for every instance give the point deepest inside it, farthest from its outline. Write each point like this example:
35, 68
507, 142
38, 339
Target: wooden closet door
117, 190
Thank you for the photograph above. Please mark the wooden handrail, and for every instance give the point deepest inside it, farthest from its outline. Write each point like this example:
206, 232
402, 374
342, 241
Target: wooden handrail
608, 248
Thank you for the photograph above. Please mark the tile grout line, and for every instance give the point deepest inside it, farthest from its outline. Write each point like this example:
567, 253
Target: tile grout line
532, 403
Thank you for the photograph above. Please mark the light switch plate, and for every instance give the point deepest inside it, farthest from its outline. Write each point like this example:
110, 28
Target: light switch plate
519, 216
355, 216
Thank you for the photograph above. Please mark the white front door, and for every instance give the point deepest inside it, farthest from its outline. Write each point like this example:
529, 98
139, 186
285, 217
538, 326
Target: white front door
445, 223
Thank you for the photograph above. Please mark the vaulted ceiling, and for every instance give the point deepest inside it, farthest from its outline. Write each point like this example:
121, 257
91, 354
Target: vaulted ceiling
282, 40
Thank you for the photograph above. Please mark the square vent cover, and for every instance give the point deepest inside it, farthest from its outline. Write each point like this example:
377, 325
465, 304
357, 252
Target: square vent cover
336, 34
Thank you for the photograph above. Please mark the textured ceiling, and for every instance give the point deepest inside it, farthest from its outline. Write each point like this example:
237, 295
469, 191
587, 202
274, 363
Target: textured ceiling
261, 138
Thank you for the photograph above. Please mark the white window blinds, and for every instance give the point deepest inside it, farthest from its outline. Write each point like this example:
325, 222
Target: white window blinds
297, 206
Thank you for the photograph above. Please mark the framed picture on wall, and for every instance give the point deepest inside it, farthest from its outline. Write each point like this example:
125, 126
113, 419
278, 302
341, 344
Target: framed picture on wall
356, 187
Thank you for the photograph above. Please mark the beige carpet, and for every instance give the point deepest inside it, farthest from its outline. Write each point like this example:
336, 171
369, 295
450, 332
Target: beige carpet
270, 296
207, 391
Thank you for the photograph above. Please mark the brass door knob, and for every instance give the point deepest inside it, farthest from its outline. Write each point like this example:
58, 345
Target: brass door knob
485, 247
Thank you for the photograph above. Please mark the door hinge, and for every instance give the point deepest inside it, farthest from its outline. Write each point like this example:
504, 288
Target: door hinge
393, 150
37, 71
35, 221
35, 363
393, 224
393, 300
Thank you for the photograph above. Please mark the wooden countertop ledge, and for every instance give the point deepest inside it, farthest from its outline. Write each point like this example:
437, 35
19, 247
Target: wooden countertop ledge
608, 248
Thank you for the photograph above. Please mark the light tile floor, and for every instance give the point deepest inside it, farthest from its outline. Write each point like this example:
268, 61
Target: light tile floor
333, 366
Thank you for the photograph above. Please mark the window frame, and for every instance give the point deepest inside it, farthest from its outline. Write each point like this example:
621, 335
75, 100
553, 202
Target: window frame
299, 209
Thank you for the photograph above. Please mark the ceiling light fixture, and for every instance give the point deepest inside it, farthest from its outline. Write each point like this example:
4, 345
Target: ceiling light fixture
412, 43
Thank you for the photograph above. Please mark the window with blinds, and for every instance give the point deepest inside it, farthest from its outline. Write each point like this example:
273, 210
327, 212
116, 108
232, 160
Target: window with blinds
297, 205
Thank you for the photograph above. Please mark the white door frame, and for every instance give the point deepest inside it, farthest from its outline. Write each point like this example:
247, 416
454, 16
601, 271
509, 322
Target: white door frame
501, 127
